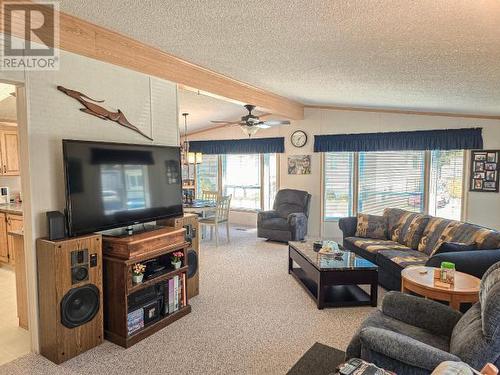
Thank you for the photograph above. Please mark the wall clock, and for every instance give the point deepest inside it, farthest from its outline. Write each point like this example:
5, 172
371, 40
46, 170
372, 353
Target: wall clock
298, 138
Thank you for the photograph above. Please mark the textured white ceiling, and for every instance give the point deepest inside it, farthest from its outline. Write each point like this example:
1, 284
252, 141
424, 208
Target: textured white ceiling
441, 55
202, 109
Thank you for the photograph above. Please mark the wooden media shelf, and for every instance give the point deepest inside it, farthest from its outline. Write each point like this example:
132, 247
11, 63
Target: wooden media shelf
124, 300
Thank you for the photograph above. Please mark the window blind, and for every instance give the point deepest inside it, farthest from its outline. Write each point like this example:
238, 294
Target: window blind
446, 184
338, 191
207, 174
391, 179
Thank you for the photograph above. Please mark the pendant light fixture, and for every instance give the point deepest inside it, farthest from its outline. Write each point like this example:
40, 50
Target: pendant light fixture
189, 157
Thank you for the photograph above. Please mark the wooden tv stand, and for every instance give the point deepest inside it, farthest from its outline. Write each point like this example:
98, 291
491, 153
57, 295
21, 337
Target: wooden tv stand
119, 255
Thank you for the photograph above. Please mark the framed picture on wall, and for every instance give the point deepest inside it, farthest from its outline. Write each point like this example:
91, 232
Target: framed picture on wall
484, 175
299, 164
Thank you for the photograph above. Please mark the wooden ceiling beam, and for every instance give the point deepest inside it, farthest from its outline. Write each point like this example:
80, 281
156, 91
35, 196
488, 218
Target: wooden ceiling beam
403, 112
84, 38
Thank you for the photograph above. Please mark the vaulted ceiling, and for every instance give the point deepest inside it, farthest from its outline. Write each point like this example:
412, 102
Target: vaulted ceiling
429, 55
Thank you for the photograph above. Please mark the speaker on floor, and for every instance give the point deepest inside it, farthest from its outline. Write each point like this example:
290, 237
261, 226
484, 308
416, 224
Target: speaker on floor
79, 306
70, 296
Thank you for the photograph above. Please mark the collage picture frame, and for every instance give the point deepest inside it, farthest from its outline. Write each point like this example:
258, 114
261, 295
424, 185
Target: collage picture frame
485, 168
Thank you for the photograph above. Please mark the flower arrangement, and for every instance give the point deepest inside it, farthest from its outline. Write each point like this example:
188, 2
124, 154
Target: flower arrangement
138, 273
177, 256
138, 269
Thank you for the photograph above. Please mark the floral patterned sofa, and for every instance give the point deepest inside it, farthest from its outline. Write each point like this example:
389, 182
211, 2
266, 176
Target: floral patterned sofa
405, 238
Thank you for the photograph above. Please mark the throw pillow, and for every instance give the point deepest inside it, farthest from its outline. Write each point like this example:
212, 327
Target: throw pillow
452, 247
409, 229
371, 226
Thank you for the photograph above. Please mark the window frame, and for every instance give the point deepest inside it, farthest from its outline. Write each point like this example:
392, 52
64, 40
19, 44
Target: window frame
427, 179
220, 188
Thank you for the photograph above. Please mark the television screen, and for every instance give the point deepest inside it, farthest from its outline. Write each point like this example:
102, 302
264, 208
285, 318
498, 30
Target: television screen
111, 185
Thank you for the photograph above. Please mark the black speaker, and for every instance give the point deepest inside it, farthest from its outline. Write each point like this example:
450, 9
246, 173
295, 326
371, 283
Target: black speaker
80, 305
192, 257
56, 223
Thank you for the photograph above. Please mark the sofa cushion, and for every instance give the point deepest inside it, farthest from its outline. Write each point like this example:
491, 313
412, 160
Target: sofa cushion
457, 231
393, 216
486, 239
454, 247
379, 320
371, 226
276, 223
397, 260
431, 238
374, 246
409, 229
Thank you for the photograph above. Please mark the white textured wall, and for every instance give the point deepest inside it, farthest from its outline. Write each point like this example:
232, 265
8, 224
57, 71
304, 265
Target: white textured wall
482, 208
148, 103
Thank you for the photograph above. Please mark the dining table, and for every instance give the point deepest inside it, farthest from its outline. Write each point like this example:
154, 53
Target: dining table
201, 207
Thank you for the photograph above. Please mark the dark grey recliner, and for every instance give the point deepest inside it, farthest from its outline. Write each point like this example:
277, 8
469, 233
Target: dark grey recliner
288, 220
411, 335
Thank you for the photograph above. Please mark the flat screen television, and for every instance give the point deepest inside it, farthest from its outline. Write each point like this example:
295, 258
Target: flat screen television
112, 185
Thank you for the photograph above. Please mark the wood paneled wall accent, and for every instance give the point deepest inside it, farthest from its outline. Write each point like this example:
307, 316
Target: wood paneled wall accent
86, 39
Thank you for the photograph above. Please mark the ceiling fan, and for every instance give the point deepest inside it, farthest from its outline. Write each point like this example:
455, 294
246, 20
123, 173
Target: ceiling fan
250, 123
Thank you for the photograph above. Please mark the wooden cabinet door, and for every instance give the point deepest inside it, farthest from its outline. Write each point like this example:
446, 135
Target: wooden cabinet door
14, 222
4, 249
10, 153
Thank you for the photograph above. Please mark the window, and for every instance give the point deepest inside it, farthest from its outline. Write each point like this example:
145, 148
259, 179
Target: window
251, 179
368, 182
338, 183
241, 179
207, 174
270, 180
446, 184
391, 179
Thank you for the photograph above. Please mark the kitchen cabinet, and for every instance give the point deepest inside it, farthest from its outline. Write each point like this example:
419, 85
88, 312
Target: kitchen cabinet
14, 223
9, 147
4, 248
8, 223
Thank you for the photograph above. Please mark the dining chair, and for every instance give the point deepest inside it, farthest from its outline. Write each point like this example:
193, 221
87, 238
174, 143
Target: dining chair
208, 195
221, 216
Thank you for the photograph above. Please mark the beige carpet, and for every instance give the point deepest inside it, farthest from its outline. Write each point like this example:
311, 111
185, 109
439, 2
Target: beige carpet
251, 317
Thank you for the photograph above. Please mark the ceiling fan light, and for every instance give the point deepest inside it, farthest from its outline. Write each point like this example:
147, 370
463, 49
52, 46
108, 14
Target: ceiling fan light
249, 130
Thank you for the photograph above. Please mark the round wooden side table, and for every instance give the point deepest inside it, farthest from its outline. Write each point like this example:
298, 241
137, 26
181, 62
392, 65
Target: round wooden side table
464, 290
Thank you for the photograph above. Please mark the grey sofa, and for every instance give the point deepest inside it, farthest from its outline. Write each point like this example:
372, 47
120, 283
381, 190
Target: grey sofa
288, 219
411, 335
392, 256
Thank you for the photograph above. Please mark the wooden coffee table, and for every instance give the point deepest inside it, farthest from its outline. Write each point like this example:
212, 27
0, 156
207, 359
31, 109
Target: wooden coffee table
333, 281
465, 289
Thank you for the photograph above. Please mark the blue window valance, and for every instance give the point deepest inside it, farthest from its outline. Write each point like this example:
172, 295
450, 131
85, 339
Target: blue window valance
443, 139
239, 146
